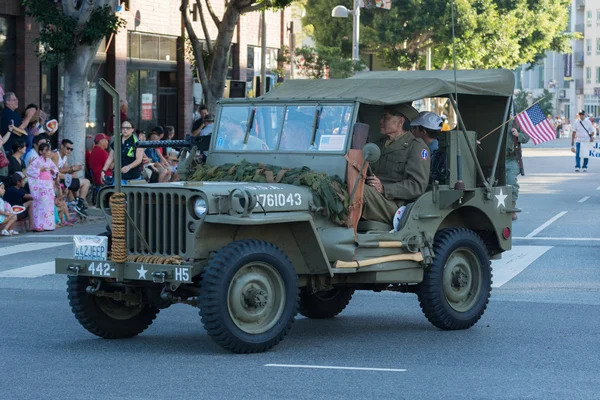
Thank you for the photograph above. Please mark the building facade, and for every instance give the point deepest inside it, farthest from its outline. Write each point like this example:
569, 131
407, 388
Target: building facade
562, 74
146, 62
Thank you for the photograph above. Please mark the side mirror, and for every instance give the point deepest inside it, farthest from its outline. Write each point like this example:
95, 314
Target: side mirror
371, 153
360, 134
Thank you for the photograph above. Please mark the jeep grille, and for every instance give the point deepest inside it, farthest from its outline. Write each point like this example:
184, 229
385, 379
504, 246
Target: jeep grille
161, 218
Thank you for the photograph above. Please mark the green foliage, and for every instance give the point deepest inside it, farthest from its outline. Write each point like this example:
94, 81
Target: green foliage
330, 197
547, 104
521, 100
60, 34
489, 33
315, 62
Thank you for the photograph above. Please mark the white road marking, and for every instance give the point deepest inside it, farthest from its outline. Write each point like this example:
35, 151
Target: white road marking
38, 236
332, 367
584, 199
559, 238
30, 271
546, 224
28, 247
513, 262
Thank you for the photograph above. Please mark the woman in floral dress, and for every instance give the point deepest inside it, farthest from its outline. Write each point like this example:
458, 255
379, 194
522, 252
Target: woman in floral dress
42, 172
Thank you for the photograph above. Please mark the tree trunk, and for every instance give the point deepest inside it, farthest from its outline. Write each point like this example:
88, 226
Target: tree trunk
76, 103
217, 70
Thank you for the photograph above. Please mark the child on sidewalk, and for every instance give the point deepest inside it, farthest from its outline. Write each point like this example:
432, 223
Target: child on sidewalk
7, 217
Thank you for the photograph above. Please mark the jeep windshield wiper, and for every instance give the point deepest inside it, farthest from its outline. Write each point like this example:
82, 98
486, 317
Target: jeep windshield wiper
316, 121
249, 125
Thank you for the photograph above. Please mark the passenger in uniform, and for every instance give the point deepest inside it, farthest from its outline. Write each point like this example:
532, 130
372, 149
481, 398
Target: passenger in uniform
402, 172
428, 127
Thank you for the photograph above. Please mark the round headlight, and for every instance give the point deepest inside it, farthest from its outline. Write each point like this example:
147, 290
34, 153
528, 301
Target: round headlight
200, 207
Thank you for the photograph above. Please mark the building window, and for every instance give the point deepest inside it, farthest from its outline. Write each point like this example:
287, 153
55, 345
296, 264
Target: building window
597, 45
597, 17
152, 47
588, 46
588, 18
588, 75
8, 49
597, 74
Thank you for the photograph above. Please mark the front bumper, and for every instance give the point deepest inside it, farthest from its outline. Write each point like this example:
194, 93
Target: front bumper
129, 271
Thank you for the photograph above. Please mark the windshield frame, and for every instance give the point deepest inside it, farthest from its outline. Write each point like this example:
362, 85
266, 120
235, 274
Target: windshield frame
222, 105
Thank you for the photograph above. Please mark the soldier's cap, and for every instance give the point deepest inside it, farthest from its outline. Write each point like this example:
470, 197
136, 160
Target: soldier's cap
429, 120
403, 109
581, 112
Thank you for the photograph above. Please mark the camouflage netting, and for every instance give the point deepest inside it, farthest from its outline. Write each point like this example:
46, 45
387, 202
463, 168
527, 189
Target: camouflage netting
329, 192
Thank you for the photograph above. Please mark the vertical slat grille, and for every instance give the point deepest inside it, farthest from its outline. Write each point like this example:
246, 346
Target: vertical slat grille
161, 219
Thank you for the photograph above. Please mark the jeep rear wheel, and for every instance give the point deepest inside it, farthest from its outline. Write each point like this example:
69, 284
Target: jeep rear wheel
105, 317
248, 296
456, 287
325, 304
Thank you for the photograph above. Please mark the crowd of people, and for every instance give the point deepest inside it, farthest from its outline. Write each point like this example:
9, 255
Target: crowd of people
39, 186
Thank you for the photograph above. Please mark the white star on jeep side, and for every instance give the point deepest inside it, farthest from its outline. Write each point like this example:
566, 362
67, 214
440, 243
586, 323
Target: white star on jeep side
142, 272
501, 198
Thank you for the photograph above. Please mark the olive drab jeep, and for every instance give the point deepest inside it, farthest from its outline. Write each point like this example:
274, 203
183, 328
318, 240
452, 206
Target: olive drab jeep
252, 246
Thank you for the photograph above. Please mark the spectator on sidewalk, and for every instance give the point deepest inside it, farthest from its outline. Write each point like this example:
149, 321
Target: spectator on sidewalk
98, 157
160, 170
16, 162
33, 153
7, 217
10, 117
131, 157
42, 172
17, 196
79, 187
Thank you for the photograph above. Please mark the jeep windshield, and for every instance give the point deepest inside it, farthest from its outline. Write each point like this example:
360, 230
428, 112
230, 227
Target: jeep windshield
287, 128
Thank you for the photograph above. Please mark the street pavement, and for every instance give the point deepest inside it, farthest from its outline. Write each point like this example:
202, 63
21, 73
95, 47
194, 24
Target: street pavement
539, 337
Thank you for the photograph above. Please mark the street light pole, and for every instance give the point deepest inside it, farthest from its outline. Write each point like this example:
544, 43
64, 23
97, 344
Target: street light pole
342, 12
355, 30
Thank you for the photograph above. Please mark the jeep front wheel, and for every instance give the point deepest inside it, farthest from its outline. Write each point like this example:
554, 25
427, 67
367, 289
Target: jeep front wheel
105, 317
456, 287
248, 296
325, 304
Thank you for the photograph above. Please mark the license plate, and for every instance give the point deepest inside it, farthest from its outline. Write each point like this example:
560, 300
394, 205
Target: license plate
90, 247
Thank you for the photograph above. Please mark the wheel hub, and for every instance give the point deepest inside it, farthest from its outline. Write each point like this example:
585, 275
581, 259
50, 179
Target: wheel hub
255, 297
462, 279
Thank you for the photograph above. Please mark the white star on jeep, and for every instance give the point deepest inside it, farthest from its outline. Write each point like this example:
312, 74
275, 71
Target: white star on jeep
142, 272
501, 198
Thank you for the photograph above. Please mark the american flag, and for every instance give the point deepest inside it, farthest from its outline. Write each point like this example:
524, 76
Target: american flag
534, 123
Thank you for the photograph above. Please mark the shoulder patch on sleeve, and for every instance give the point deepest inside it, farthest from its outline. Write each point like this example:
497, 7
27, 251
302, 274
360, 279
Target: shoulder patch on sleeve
424, 154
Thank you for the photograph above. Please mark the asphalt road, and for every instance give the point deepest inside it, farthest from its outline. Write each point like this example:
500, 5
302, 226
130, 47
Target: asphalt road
539, 337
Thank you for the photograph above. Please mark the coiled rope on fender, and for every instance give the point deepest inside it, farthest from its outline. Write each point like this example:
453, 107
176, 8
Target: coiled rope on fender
118, 208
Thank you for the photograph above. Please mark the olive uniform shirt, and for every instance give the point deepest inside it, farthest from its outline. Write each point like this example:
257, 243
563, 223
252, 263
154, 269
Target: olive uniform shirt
403, 170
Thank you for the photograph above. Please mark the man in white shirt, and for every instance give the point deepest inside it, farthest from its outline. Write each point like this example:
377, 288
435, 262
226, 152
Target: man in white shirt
583, 131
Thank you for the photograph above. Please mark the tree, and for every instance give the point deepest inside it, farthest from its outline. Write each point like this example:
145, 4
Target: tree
212, 64
489, 33
321, 62
70, 33
521, 100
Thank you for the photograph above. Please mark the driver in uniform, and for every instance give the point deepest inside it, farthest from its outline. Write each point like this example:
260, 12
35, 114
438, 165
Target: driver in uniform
402, 172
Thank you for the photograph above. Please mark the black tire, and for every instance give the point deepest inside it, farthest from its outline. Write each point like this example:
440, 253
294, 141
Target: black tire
456, 287
254, 311
91, 312
326, 304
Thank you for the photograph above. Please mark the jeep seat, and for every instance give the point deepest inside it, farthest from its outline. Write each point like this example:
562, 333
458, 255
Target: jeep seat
374, 226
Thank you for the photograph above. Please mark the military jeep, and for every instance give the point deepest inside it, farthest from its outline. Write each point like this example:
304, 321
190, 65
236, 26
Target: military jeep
252, 255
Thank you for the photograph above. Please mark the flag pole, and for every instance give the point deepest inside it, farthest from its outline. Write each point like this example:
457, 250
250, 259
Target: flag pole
513, 117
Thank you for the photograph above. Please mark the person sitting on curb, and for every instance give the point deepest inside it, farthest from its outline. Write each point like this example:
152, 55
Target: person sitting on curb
7, 217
